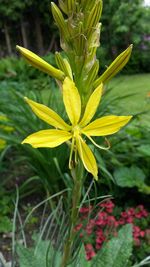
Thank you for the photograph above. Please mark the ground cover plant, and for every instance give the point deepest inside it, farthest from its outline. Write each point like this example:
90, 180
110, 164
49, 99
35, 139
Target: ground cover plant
81, 91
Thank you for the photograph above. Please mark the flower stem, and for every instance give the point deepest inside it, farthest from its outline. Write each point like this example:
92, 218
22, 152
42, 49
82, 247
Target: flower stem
77, 174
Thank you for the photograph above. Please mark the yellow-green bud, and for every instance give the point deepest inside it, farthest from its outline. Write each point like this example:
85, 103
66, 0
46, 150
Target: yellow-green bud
40, 64
63, 6
115, 66
94, 16
59, 19
64, 65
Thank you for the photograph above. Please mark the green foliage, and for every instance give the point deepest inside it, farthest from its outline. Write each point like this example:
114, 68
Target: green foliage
126, 164
45, 166
129, 177
11, 10
43, 162
117, 251
144, 150
16, 70
5, 211
41, 256
118, 33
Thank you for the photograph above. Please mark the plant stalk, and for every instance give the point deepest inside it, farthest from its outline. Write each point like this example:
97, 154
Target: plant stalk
77, 174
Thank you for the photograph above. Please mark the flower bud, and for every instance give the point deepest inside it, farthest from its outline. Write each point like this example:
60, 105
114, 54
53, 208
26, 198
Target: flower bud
115, 66
94, 16
64, 65
71, 6
63, 6
59, 19
92, 74
40, 64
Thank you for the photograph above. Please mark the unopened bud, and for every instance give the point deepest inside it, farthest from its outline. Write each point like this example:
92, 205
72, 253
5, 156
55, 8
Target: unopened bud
64, 65
59, 19
94, 16
115, 66
40, 64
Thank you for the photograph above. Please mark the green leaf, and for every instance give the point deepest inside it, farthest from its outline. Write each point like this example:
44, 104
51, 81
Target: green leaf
5, 224
80, 260
145, 150
117, 251
129, 177
37, 257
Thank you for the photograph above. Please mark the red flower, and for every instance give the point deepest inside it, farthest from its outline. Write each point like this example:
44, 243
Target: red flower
90, 253
108, 205
137, 242
85, 209
78, 227
124, 214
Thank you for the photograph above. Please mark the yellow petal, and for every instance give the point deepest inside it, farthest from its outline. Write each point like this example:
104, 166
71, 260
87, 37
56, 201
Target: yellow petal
48, 115
47, 138
87, 157
106, 125
41, 64
92, 105
71, 100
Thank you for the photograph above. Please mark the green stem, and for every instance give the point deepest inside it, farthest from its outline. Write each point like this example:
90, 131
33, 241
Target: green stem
77, 174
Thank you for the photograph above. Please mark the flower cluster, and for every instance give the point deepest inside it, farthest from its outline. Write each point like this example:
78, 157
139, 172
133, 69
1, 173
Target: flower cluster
98, 225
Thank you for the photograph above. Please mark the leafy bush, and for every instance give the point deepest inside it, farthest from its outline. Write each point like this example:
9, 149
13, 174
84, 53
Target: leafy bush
98, 224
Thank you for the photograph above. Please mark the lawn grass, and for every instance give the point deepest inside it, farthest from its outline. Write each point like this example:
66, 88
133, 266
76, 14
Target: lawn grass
137, 87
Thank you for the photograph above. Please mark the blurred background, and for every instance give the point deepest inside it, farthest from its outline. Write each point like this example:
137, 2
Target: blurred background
30, 24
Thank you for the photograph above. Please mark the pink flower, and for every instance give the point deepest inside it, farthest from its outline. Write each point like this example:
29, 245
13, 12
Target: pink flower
142, 233
108, 205
124, 214
100, 239
136, 231
129, 220
121, 221
137, 242
141, 212
102, 219
111, 221
90, 226
131, 212
85, 209
138, 215
90, 253
78, 227
98, 246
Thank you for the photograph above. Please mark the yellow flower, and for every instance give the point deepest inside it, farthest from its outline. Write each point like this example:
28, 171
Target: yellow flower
79, 126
